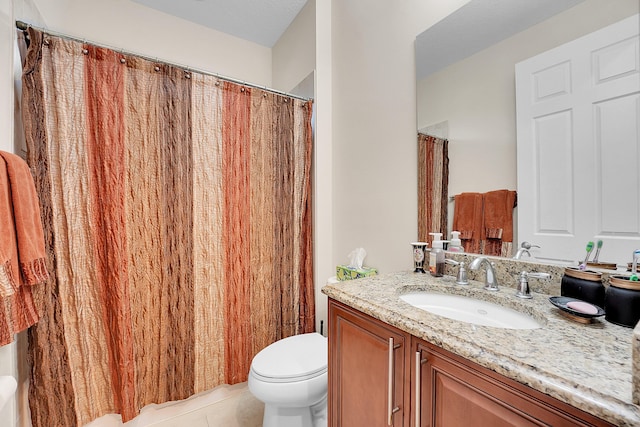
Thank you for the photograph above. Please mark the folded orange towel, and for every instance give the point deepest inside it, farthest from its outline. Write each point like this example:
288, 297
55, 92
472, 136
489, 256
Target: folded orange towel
498, 220
467, 219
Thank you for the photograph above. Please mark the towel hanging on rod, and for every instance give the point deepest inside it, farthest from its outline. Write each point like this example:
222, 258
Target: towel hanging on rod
22, 247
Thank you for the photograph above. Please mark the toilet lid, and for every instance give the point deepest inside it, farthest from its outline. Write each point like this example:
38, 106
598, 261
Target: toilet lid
297, 357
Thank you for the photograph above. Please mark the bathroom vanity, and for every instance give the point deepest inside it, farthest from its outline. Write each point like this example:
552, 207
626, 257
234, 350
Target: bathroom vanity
391, 363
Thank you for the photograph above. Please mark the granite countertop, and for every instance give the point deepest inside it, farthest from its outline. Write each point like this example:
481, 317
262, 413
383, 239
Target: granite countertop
586, 365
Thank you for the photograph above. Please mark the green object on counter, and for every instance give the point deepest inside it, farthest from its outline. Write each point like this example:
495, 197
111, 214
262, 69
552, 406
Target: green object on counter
344, 272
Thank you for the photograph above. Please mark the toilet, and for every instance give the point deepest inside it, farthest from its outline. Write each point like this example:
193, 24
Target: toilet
290, 377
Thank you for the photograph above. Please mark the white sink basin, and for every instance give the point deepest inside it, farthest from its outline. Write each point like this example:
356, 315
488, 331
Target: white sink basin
470, 310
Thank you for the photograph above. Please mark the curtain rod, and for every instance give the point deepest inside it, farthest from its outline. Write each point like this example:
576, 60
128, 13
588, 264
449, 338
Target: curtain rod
23, 26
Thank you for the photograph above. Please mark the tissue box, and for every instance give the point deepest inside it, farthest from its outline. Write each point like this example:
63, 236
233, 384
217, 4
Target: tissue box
344, 272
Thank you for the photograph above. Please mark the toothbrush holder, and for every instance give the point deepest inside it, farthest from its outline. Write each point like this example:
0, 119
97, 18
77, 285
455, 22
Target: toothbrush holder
585, 285
622, 301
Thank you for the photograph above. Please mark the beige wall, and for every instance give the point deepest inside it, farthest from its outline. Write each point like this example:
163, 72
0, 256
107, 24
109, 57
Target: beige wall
294, 54
6, 73
323, 159
374, 126
477, 96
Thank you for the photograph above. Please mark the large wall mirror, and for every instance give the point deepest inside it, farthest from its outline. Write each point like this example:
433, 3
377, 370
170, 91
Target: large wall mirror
466, 89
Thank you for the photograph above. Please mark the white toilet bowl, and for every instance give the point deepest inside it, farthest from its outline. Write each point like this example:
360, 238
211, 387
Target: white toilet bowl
290, 377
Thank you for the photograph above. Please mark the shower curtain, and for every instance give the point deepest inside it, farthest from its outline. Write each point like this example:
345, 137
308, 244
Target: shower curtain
433, 182
177, 213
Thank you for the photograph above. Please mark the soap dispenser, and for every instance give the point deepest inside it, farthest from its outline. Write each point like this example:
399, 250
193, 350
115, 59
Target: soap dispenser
436, 256
456, 243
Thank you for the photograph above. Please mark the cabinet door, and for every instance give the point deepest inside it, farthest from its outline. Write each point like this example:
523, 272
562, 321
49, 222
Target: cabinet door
368, 374
451, 391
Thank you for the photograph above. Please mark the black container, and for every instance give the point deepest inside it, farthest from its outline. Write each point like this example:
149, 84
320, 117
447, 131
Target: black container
622, 301
585, 285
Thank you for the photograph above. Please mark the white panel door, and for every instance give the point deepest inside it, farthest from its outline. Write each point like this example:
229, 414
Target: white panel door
578, 130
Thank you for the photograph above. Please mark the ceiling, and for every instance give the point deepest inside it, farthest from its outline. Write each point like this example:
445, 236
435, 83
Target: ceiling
259, 21
475, 26
478, 25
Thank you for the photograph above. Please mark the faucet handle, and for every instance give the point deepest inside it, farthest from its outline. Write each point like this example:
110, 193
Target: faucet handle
527, 245
537, 275
523, 284
461, 277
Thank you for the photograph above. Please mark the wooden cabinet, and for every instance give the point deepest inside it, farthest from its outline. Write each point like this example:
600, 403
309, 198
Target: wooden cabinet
368, 371
452, 391
381, 376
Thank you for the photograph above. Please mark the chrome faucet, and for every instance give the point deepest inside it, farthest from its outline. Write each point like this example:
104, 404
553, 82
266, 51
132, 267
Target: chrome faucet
490, 281
524, 249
